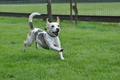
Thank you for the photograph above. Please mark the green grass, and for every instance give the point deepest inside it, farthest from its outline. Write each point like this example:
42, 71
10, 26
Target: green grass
64, 8
92, 52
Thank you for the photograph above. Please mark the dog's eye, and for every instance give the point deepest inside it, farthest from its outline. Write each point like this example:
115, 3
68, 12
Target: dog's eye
58, 26
52, 26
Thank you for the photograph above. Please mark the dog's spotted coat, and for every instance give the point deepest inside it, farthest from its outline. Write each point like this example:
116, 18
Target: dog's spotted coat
47, 40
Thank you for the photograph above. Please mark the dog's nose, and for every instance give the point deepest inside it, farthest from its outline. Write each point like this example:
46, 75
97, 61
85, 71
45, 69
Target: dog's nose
57, 29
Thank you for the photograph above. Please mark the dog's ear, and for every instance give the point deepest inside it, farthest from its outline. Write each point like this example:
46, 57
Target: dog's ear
47, 21
47, 24
58, 19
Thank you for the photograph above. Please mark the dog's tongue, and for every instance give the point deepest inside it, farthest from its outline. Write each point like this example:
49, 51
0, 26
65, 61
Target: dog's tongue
56, 33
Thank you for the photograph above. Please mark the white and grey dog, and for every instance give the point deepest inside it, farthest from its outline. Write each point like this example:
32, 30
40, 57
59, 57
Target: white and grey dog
48, 39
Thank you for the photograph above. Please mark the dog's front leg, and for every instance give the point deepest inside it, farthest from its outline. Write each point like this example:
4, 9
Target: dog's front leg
61, 56
59, 51
57, 42
53, 47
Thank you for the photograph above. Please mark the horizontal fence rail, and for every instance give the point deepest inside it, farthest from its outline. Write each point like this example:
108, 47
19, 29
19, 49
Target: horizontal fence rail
93, 18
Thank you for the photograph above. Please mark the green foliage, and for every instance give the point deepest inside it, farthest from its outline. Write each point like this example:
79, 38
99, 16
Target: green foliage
91, 52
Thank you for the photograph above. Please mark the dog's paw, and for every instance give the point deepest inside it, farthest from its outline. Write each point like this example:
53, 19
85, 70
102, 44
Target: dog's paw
61, 50
62, 59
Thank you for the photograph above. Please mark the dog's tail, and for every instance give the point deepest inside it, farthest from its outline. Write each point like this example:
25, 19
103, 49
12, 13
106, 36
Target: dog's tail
30, 19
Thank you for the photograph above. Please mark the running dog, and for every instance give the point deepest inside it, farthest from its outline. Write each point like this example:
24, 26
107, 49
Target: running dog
48, 39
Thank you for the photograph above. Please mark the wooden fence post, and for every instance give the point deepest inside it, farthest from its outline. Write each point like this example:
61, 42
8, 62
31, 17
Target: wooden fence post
49, 10
71, 17
76, 12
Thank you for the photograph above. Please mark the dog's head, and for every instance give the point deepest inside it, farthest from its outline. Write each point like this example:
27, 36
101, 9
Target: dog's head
53, 28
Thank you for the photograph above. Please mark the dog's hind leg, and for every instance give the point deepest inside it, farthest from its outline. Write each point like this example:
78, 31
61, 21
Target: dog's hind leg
24, 48
36, 45
28, 42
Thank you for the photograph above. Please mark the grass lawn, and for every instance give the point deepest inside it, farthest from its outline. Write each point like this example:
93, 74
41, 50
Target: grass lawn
92, 52
64, 8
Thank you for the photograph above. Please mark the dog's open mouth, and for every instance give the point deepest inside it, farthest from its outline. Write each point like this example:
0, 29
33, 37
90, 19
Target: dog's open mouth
56, 33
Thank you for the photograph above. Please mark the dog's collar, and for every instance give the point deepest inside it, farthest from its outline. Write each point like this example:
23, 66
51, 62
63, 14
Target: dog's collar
51, 35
